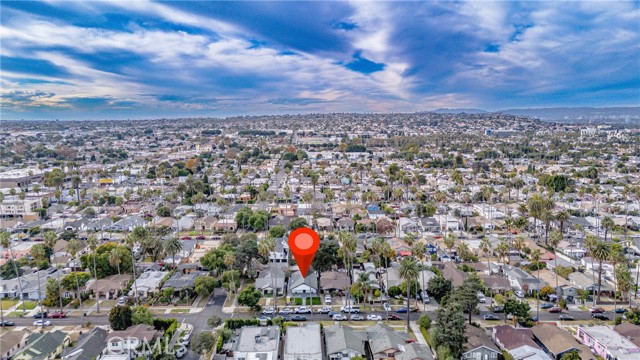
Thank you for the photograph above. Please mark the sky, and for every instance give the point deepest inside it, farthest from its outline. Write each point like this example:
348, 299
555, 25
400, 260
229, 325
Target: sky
145, 59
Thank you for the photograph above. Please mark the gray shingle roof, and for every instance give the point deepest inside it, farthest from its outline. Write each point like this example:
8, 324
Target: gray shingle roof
339, 338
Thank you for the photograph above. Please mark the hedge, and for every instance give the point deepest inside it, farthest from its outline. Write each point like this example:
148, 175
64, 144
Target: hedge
233, 324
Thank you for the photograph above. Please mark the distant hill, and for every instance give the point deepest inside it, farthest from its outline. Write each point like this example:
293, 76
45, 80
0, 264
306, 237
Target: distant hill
562, 113
458, 111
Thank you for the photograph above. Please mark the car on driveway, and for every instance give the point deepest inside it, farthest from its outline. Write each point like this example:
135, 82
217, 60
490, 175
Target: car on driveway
599, 316
374, 317
298, 318
555, 309
338, 317
490, 317
546, 306
180, 351
565, 317
302, 310
621, 310
58, 315
41, 315
41, 323
498, 309
357, 317
596, 310
393, 317
324, 310
269, 311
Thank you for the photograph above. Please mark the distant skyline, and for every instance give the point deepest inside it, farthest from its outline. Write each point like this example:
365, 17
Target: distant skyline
139, 59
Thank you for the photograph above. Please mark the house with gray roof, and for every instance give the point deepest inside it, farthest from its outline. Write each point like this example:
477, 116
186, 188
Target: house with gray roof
344, 343
384, 342
303, 343
303, 286
181, 281
43, 346
89, 346
257, 343
269, 277
415, 351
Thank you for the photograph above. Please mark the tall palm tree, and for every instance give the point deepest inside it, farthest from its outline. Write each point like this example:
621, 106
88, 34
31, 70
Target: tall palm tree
615, 257
535, 205
92, 243
130, 240
230, 259
73, 247
173, 246
536, 254
547, 217
590, 244
601, 252
449, 242
608, 224
50, 240
38, 252
362, 284
562, 217
5, 241
408, 271
556, 237
349, 244
419, 250
388, 253
114, 259
503, 250
487, 250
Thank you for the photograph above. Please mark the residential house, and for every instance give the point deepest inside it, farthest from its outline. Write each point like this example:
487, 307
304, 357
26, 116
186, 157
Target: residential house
414, 351
522, 280
269, 277
557, 342
607, 343
148, 283
131, 340
11, 342
479, 345
43, 346
406, 226
280, 252
225, 225
344, 343
257, 343
183, 281
384, 342
571, 249
518, 342
129, 223
345, 224
586, 282
430, 224
109, 287
332, 281
89, 346
303, 286
303, 343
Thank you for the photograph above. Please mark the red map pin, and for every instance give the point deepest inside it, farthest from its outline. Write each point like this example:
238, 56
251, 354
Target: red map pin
304, 243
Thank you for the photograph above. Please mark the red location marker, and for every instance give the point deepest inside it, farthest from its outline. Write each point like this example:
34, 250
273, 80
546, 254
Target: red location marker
304, 243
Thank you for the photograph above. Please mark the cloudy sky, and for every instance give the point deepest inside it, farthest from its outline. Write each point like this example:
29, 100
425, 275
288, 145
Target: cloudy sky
142, 59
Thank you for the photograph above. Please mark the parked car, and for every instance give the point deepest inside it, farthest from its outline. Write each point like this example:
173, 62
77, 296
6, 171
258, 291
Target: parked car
394, 317
122, 300
490, 317
402, 310
481, 298
338, 317
298, 318
200, 237
498, 309
386, 306
41, 315
599, 316
565, 317
357, 317
555, 309
327, 299
58, 315
621, 310
374, 317
7, 323
286, 311
519, 294
324, 310
350, 309
424, 297
186, 339
180, 351
269, 311
596, 310
41, 323
185, 238
546, 306
302, 310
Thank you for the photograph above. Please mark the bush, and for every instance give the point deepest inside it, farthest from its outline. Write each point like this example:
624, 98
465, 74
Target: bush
233, 324
163, 324
298, 301
214, 321
424, 321
313, 301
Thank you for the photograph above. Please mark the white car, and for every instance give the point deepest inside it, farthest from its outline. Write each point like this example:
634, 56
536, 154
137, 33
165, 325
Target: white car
303, 310
519, 294
186, 339
387, 306
374, 317
41, 323
339, 317
324, 310
180, 351
327, 299
269, 311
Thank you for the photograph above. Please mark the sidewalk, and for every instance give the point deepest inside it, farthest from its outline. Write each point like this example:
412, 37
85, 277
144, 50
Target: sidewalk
416, 330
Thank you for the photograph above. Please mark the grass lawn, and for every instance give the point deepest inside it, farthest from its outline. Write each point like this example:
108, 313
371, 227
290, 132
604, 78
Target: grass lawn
30, 305
108, 303
88, 303
6, 303
157, 311
179, 311
16, 314
203, 301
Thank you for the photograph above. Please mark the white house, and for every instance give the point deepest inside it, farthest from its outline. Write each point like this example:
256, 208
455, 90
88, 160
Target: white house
303, 286
257, 343
129, 341
303, 343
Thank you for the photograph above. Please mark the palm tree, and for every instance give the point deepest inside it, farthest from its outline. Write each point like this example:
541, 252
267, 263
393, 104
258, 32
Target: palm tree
536, 254
615, 257
73, 247
5, 241
362, 285
38, 252
173, 246
348, 253
562, 217
601, 252
535, 205
130, 241
547, 217
519, 244
265, 248
408, 271
92, 243
388, 253
590, 244
114, 259
449, 242
230, 259
556, 237
50, 240
487, 249
503, 250
608, 224
419, 250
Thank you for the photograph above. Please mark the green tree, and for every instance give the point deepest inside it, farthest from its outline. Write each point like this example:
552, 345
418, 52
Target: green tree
408, 271
519, 310
571, 355
203, 342
277, 231
250, 297
120, 317
141, 315
327, 256
467, 295
450, 328
601, 253
424, 321
439, 287
173, 246
52, 293
204, 285
297, 223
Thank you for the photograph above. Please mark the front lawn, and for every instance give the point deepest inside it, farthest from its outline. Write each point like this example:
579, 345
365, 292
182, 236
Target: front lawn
30, 305
7, 304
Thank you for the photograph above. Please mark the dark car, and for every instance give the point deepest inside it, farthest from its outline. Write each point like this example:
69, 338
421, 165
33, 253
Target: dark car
402, 311
58, 315
200, 237
621, 310
565, 317
298, 318
599, 316
7, 323
393, 317
41, 315
498, 309
546, 306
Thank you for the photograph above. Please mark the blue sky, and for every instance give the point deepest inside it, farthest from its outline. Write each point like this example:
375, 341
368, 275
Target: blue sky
142, 59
